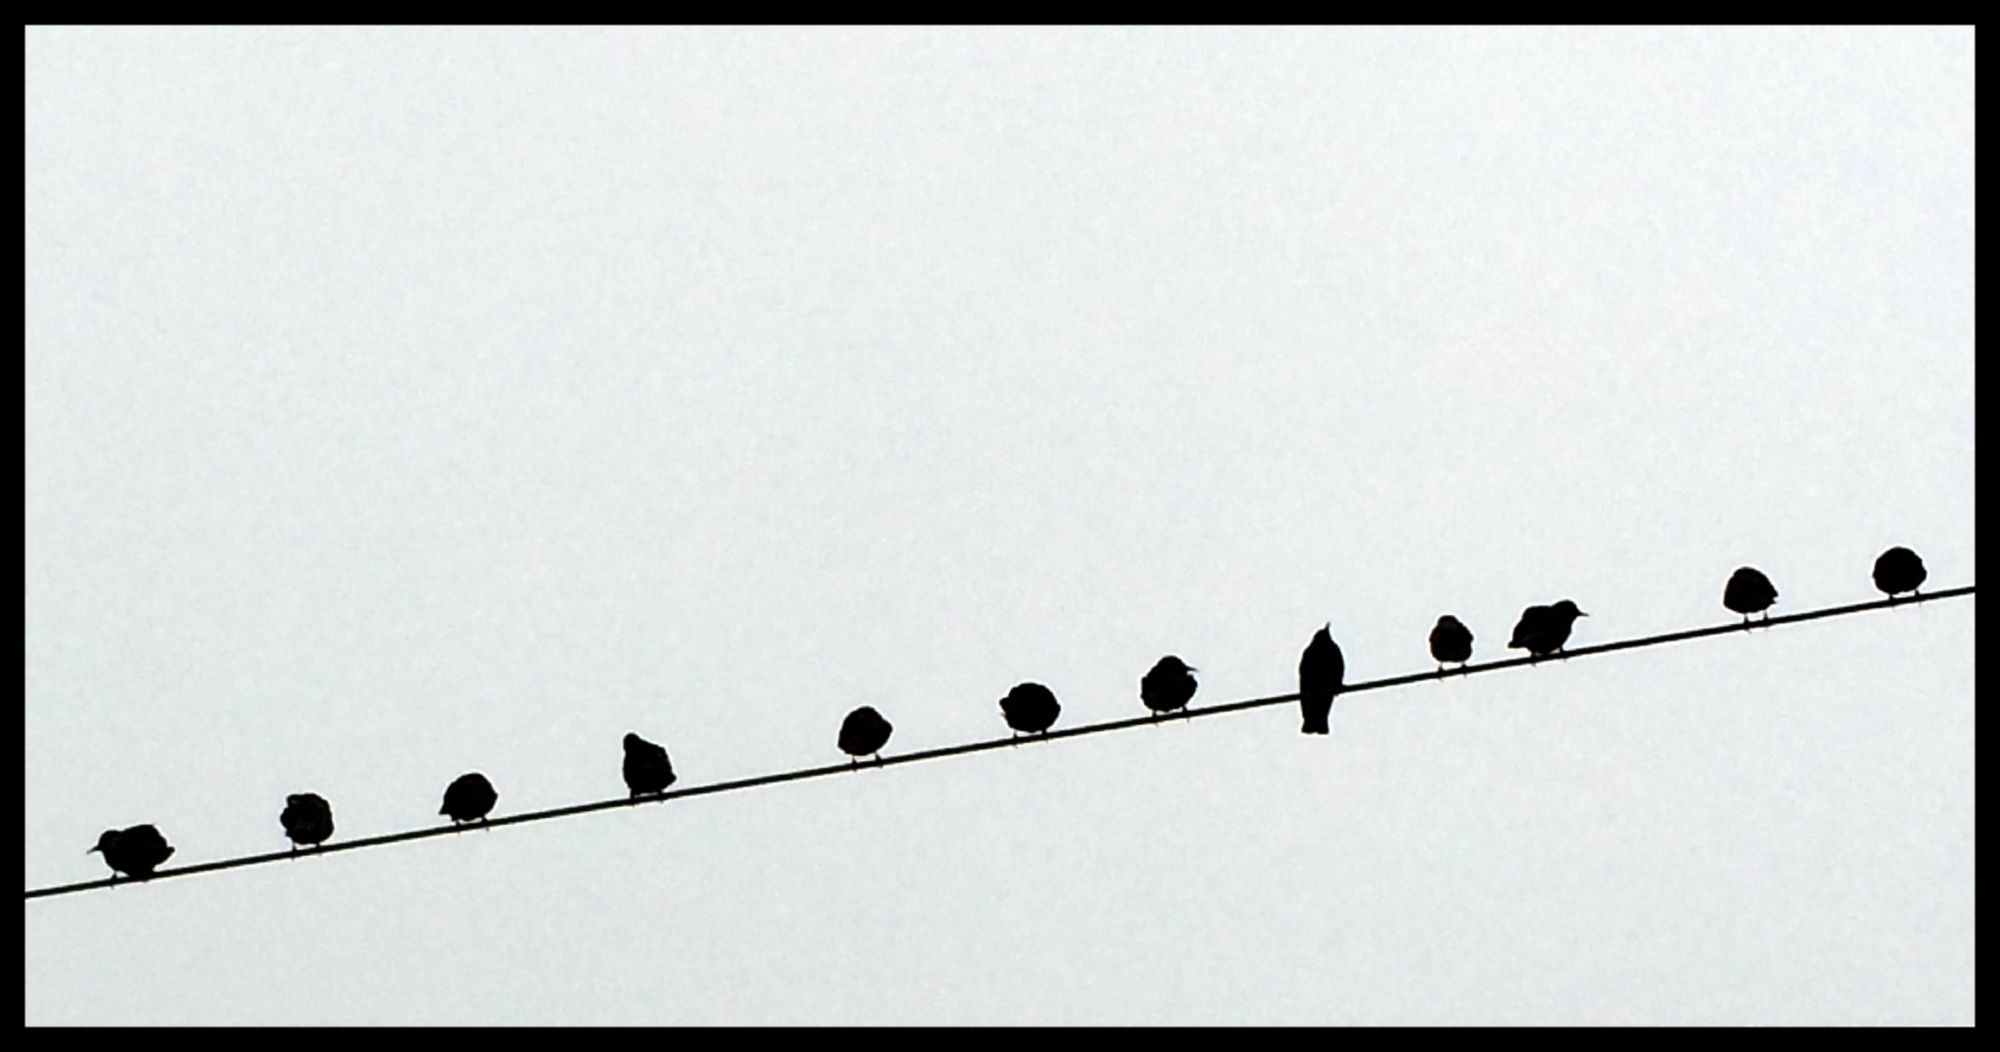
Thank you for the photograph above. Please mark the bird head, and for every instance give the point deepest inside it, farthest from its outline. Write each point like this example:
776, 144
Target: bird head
633, 741
1170, 663
1568, 608
106, 841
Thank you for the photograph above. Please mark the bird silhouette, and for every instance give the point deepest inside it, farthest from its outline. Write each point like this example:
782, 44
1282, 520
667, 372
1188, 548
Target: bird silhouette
1030, 708
1542, 630
646, 767
1451, 641
468, 798
135, 852
307, 818
1321, 669
1899, 570
1749, 592
863, 733
1169, 686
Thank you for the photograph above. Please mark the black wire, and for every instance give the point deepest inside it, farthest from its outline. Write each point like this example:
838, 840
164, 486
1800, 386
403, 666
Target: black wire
995, 743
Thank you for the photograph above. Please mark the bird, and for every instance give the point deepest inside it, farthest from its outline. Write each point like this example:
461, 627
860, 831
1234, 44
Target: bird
1749, 592
1542, 630
135, 852
1321, 669
1169, 686
1899, 570
646, 767
863, 733
1451, 641
307, 818
468, 798
1030, 708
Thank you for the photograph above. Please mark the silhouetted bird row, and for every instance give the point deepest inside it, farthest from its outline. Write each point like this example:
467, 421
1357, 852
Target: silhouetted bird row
1030, 708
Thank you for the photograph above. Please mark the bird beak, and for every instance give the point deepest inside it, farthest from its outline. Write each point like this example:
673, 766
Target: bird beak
1581, 613
92, 849
1191, 668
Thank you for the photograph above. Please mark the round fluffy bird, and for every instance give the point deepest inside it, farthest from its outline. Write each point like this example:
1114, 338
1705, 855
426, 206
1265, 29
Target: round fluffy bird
1542, 630
307, 818
1030, 708
1899, 570
863, 733
1451, 641
135, 852
468, 798
1169, 686
1749, 592
1321, 669
646, 767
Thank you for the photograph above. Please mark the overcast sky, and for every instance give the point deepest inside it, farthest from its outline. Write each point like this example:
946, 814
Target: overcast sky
407, 402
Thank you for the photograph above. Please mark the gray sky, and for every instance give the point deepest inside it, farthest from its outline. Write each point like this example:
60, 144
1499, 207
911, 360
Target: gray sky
402, 403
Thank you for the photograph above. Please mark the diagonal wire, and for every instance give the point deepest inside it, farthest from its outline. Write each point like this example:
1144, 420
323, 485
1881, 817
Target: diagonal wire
999, 743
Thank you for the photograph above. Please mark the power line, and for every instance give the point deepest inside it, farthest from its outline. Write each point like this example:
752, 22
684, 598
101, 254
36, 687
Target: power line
996, 743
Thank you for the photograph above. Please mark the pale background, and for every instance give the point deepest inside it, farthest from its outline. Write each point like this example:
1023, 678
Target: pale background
400, 403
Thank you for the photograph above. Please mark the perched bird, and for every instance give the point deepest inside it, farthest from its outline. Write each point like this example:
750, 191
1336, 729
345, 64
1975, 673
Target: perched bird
468, 798
1169, 686
1321, 669
1451, 641
1542, 630
1030, 708
646, 767
307, 818
135, 852
1899, 570
864, 732
1749, 592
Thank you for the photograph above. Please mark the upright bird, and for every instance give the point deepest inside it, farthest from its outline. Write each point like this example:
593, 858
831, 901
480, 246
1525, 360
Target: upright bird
1451, 641
1030, 708
468, 798
307, 818
646, 767
135, 852
1899, 570
1542, 630
1749, 592
863, 733
1321, 668
1169, 686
